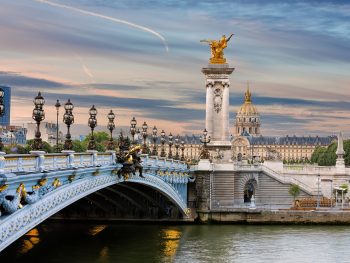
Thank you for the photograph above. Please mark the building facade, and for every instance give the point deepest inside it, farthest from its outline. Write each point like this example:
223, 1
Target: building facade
48, 132
248, 118
248, 143
11, 135
6, 119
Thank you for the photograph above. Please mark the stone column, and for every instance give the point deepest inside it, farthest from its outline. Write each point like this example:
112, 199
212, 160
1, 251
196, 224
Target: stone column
40, 160
217, 120
340, 163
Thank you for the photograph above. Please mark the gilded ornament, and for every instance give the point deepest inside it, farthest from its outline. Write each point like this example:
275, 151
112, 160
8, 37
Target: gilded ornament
21, 190
42, 182
56, 183
217, 49
3, 187
71, 178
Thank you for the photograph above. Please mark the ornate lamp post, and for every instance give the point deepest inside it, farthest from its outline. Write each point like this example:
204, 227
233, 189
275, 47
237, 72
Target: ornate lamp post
144, 135
170, 142
92, 124
111, 126
38, 116
205, 153
154, 137
68, 119
182, 150
133, 123
12, 130
162, 141
2, 112
57, 105
177, 145
138, 135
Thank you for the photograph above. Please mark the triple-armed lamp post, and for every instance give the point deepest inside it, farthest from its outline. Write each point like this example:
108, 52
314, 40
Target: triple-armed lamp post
92, 124
205, 140
68, 119
133, 123
2, 112
162, 141
111, 126
170, 142
182, 150
154, 137
57, 105
144, 135
177, 145
38, 116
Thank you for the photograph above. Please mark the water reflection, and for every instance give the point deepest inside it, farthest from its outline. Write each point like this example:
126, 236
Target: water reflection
95, 230
104, 254
29, 240
170, 242
91, 243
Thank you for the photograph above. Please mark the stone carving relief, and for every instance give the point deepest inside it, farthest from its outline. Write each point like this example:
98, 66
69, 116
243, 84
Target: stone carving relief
217, 99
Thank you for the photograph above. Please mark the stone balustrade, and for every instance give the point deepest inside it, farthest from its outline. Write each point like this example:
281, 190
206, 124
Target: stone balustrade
41, 161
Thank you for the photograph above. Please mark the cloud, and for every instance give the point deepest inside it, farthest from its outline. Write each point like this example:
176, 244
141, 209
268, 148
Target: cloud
16, 79
296, 54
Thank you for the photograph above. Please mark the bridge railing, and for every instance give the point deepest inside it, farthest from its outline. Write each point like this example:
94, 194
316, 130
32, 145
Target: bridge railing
41, 161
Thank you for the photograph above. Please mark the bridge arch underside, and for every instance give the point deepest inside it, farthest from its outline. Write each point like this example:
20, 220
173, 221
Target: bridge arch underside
123, 201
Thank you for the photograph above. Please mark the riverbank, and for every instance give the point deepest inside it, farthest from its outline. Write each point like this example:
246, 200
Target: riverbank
256, 216
238, 216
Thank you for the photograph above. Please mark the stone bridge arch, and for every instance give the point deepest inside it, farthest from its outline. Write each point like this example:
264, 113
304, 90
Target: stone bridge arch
15, 225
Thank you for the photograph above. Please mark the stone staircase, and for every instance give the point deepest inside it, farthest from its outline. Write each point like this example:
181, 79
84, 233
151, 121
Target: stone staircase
222, 189
289, 180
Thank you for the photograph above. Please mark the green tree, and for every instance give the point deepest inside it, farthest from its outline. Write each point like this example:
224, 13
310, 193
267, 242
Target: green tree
327, 156
346, 187
100, 137
101, 140
21, 149
294, 190
79, 146
46, 146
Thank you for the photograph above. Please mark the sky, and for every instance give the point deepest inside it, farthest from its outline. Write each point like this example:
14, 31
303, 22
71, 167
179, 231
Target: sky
143, 58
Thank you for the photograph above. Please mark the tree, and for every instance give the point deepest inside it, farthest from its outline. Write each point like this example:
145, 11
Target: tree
46, 146
294, 190
79, 146
345, 187
101, 140
100, 137
327, 156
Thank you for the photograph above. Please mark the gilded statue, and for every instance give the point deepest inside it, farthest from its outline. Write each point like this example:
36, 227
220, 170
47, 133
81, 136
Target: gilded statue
217, 49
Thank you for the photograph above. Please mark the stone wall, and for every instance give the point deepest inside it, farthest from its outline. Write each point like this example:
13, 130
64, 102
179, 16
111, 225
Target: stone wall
275, 217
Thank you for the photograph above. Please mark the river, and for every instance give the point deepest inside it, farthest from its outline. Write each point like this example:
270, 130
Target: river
74, 242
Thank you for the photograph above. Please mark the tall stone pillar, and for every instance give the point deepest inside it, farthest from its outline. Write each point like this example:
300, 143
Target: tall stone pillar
217, 105
340, 163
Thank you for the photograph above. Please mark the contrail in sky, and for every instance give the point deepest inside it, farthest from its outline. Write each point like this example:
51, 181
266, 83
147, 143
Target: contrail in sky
86, 70
116, 20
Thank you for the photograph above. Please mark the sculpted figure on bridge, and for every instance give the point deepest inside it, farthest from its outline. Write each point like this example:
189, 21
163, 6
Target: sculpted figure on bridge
131, 161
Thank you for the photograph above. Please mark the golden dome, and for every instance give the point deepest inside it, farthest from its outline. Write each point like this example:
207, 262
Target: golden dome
248, 109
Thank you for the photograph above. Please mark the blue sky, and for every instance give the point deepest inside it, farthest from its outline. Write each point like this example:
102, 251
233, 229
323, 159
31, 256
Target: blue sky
296, 55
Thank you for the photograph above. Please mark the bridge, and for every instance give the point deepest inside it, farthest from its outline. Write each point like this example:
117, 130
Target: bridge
35, 186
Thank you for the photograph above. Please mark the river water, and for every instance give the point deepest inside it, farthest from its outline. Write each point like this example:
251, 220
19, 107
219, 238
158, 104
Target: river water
64, 242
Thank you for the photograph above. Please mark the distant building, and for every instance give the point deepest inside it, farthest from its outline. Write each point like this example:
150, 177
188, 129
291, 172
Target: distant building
13, 135
248, 141
248, 118
6, 119
48, 132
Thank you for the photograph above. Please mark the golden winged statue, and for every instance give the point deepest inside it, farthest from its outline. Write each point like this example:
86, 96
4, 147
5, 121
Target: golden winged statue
217, 49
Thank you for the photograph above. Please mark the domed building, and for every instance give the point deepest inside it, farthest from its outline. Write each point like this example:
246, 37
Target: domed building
248, 143
247, 118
